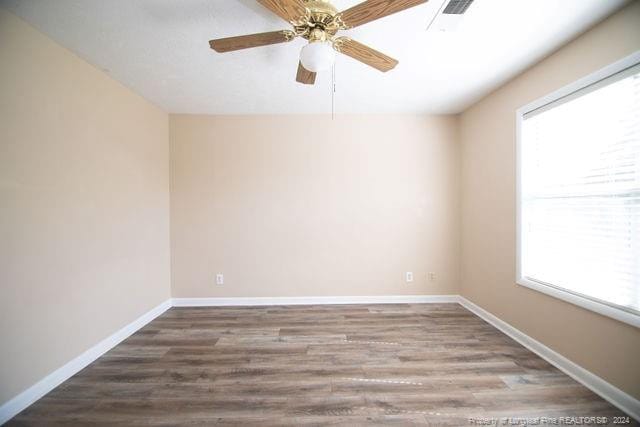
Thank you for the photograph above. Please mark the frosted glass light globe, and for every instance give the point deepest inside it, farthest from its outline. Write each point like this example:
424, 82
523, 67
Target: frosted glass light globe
317, 56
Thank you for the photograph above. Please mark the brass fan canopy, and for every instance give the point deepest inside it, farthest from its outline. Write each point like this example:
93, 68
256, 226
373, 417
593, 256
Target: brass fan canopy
321, 7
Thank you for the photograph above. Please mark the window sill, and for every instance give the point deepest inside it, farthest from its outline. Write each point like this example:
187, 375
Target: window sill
589, 304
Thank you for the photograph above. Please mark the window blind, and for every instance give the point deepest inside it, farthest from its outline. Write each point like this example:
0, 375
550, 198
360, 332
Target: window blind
580, 192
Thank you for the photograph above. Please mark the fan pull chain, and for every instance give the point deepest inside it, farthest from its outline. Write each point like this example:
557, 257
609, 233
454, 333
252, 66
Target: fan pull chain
333, 92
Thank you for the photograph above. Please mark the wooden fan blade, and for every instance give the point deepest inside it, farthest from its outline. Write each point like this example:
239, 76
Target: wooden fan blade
371, 10
292, 11
305, 76
252, 40
364, 54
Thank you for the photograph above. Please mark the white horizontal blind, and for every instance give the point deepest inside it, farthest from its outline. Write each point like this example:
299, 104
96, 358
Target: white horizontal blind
580, 192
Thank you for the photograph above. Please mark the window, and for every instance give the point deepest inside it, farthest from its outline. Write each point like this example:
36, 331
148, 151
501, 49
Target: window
579, 193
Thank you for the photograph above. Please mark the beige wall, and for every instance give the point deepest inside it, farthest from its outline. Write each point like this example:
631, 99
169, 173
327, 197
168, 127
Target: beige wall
306, 206
84, 206
604, 346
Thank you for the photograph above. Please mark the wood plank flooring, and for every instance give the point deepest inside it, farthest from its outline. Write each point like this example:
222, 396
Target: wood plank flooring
397, 364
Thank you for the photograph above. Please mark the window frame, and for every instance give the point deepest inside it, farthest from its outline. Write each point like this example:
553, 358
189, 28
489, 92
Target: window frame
584, 301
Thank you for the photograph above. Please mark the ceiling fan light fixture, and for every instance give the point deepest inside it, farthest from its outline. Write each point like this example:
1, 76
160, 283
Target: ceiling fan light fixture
318, 56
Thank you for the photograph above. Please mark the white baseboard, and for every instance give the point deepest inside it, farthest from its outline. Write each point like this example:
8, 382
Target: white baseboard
390, 299
607, 391
16, 405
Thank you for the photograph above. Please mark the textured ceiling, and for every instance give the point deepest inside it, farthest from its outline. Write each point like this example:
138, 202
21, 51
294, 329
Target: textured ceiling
159, 48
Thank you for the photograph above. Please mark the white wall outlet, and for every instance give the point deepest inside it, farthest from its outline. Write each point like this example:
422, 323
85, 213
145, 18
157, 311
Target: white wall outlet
408, 277
219, 279
432, 277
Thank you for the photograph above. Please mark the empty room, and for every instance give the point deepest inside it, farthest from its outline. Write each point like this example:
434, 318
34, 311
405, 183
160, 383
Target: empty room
319, 212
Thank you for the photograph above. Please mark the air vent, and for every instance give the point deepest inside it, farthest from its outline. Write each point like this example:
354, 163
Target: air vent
457, 7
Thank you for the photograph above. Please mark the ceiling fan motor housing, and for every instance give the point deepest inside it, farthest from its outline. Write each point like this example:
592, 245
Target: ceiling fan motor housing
321, 18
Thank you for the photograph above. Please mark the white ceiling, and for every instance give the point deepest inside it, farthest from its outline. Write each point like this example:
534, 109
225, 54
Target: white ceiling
159, 48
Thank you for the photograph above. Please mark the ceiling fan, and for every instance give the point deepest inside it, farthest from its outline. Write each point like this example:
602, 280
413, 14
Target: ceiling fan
319, 21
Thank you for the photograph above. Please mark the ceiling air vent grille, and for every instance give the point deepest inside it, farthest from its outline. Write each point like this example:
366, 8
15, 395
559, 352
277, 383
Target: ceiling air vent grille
457, 7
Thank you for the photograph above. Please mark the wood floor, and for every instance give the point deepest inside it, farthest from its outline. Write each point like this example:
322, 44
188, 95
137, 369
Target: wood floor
400, 364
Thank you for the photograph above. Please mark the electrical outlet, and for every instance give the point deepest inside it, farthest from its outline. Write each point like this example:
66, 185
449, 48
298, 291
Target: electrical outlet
432, 277
219, 279
408, 277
